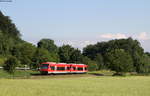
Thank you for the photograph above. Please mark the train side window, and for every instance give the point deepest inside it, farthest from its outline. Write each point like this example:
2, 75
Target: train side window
80, 68
60, 68
74, 68
52, 67
68, 68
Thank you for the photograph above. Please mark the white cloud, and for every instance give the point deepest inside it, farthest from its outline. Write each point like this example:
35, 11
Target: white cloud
140, 36
113, 36
80, 43
143, 36
76, 43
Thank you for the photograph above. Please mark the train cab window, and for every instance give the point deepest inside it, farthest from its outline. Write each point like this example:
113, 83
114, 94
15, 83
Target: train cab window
44, 66
60, 68
85, 68
52, 67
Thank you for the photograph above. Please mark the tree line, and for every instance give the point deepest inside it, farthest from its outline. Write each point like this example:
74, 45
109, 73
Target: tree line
120, 55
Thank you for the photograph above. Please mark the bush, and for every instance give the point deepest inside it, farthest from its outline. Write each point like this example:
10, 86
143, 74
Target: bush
10, 64
2, 60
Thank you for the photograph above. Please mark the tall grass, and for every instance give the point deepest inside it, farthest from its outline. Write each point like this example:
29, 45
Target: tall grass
17, 74
85, 86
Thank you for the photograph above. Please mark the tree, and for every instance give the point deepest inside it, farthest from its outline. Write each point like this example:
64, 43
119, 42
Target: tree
65, 53
90, 51
10, 64
76, 56
41, 55
8, 28
24, 52
120, 61
92, 66
2, 60
144, 65
9, 35
100, 62
148, 54
49, 45
130, 46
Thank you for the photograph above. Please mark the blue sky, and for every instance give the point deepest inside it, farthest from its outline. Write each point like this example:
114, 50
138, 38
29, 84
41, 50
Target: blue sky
80, 22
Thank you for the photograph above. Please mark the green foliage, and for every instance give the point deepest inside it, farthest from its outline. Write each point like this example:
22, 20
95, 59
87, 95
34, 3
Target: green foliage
76, 56
41, 55
49, 45
148, 54
2, 60
7, 27
24, 74
90, 51
100, 61
120, 61
130, 47
6, 45
9, 35
10, 64
24, 52
69, 54
65, 53
144, 66
92, 66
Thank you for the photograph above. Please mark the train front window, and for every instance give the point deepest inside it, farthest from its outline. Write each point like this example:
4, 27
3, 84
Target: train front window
44, 66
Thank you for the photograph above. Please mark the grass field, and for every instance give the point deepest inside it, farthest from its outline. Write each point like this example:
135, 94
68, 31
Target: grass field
80, 86
26, 74
18, 74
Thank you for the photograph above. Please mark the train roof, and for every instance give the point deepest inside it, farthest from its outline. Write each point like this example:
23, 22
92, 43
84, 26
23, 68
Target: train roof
61, 63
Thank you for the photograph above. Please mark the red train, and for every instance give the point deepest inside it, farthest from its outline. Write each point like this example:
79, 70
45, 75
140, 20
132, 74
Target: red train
55, 68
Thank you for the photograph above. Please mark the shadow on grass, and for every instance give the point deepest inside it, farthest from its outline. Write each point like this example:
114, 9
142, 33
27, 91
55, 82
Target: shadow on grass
39, 74
97, 74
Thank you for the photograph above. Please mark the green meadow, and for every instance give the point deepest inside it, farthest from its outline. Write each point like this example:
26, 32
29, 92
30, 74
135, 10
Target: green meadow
80, 86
